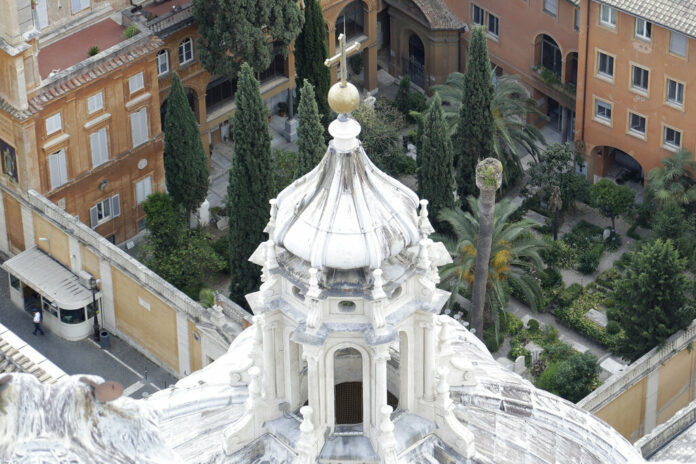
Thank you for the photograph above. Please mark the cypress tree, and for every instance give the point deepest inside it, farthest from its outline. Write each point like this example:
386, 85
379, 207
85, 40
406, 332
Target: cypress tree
402, 100
250, 185
237, 31
473, 139
310, 133
435, 179
311, 49
185, 160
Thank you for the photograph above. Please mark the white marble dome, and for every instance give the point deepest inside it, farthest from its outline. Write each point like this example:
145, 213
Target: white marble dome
346, 213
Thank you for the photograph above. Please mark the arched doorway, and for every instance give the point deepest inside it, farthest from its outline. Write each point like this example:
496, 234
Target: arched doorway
191, 97
622, 168
548, 54
348, 387
416, 61
351, 21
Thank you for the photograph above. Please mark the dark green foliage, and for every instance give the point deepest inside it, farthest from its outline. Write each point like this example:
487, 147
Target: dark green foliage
284, 166
233, 32
613, 327
130, 31
670, 221
611, 199
435, 179
206, 297
221, 246
570, 294
651, 298
380, 132
400, 165
181, 259
556, 167
550, 278
533, 325
588, 261
402, 99
547, 379
311, 49
493, 340
473, 139
250, 187
608, 278
93, 50
310, 132
576, 377
355, 63
185, 160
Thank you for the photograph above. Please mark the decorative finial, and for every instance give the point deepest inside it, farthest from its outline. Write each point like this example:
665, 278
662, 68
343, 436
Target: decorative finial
343, 96
489, 174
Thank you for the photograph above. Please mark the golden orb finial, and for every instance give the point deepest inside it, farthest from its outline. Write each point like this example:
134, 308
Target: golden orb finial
343, 96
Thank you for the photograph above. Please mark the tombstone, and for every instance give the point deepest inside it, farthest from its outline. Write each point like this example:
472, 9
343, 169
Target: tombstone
223, 223
204, 213
411, 151
519, 365
534, 351
370, 101
606, 234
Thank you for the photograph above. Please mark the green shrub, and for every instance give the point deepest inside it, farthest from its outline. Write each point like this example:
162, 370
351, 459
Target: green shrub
623, 261
588, 261
557, 253
400, 165
93, 50
417, 102
613, 242
206, 297
512, 324
550, 278
533, 325
492, 342
570, 294
130, 31
608, 277
355, 62
612, 313
631, 232
547, 379
573, 316
558, 352
613, 328
221, 246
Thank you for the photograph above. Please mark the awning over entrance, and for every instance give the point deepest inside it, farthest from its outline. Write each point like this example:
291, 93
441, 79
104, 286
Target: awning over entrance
49, 278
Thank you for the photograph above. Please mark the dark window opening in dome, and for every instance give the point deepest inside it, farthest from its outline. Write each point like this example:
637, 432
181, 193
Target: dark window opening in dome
298, 293
346, 306
396, 293
348, 387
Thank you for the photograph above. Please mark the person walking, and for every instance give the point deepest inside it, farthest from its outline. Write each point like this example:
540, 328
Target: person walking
37, 322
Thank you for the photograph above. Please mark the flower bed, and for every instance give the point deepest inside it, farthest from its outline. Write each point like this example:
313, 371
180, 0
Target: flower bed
573, 315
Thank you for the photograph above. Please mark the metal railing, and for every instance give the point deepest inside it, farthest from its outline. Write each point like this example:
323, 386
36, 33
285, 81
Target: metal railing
177, 18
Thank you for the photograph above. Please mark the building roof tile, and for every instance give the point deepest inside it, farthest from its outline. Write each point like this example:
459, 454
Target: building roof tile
678, 15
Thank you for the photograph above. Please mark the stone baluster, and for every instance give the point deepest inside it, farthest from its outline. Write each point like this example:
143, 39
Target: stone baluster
270, 227
387, 441
378, 295
380, 370
313, 293
424, 226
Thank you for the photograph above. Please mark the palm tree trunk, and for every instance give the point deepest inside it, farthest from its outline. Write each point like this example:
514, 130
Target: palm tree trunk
488, 179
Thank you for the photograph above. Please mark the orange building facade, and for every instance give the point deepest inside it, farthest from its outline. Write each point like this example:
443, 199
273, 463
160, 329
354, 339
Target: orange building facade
635, 92
80, 115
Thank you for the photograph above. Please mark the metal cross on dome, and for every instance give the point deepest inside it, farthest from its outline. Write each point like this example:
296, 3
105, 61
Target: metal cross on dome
341, 57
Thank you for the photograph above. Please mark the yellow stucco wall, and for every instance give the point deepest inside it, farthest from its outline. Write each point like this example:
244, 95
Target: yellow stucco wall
90, 262
57, 243
145, 318
195, 356
627, 412
675, 384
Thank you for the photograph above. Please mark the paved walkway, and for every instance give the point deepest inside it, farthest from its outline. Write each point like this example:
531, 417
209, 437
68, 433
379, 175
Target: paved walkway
121, 362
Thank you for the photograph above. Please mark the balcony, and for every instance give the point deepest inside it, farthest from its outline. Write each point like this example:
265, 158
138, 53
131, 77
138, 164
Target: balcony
554, 82
163, 18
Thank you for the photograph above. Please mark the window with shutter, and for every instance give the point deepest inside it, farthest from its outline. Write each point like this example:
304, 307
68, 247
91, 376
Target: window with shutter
57, 169
136, 82
93, 217
53, 124
95, 102
677, 43
79, 5
116, 205
139, 132
100, 148
143, 188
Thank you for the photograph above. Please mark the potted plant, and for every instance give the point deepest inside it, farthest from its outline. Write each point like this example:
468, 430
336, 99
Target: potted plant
282, 109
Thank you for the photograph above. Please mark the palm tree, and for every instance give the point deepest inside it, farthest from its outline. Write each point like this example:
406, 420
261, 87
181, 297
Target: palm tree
510, 107
674, 179
514, 257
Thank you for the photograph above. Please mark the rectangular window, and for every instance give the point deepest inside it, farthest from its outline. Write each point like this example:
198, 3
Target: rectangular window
643, 29
637, 124
607, 16
136, 82
675, 92
551, 6
105, 210
672, 137
677, 43
602, 110
492, 25
99, 144
640, 78
162, 62
79, 5
143, 188
57, 169
605, 65
139, 132
53, 124
95, 102
185, 51
477, 15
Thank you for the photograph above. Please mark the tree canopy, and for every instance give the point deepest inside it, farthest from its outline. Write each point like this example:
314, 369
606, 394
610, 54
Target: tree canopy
651, 298
185, 160
311, 49
233, 32
310, 132
250, 186
611, 199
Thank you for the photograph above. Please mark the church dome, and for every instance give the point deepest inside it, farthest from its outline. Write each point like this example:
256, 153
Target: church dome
346, 213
